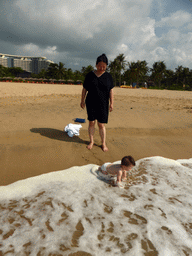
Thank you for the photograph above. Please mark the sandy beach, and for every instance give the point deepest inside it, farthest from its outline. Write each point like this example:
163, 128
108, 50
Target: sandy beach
56, 203
144, 123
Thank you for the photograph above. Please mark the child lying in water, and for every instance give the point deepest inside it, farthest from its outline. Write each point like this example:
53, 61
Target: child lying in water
127, 163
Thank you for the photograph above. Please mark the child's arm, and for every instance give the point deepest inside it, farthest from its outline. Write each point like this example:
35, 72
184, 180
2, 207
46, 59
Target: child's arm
119, 175
124, 175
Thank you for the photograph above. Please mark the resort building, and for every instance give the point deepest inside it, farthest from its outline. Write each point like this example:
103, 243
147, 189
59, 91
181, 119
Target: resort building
29, 64
24, 63
40, 63
4, 61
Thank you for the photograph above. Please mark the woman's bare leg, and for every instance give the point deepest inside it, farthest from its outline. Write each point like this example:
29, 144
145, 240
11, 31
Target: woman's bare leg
102, 132
91, 130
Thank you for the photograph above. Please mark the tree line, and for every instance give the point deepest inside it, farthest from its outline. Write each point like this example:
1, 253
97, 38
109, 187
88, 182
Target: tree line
158, 76
123, 72
54, 72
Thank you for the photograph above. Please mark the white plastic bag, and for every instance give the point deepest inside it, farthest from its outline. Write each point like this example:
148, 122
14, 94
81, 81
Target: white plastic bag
73, 129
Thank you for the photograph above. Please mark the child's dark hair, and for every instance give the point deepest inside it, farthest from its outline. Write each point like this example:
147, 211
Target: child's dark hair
127, 161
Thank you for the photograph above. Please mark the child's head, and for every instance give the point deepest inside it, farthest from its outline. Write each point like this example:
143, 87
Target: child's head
127, 162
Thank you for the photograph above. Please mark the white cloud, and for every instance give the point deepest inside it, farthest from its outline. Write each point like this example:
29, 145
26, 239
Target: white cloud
139, 39
141, 31
82, 18
182, 56
179, 54
189, 26
158, 54
173, 36
176, 19
78, 31
35, 50
145, 45
122, 48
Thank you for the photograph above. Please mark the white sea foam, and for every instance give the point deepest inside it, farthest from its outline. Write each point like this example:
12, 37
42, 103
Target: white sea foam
70, 211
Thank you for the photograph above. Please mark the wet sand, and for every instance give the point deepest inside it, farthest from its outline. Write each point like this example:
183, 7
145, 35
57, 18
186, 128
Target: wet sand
143, 123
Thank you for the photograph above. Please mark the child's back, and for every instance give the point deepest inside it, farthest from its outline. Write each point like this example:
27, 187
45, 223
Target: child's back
119, 170
113, 169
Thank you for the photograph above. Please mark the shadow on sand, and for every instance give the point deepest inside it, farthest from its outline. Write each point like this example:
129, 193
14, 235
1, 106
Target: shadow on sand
58, 135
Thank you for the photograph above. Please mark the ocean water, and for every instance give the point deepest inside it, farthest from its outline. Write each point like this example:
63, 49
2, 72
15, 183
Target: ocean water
73, 212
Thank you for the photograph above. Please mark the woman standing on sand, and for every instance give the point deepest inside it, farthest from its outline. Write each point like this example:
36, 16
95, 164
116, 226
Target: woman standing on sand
98, 90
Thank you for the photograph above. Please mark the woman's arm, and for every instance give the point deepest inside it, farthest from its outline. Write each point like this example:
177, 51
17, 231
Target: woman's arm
111, 100
84, 92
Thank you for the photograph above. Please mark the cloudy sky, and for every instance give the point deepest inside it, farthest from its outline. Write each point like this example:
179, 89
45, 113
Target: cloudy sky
75, 32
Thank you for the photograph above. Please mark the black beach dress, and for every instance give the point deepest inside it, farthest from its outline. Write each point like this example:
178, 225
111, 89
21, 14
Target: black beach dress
97, 99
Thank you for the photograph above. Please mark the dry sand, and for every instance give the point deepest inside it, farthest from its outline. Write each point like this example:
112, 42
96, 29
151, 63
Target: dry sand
143, 123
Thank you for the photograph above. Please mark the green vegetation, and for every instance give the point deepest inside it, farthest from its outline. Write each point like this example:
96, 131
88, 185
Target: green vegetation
123, 72
9, 72
157, 77
59, 72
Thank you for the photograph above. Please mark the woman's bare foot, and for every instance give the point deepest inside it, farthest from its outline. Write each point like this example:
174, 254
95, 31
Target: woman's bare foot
90, 145
104, 148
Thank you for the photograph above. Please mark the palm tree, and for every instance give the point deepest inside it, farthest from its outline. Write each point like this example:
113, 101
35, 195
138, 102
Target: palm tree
158, 71
142, 70
169, 77
78, 75
61, 70
127, 76
185, 75
113, 68
121, 63
132, 71
190, 79
69, 74
178, 73
52, 71
138, 70
2, 71
86, 70
42, 74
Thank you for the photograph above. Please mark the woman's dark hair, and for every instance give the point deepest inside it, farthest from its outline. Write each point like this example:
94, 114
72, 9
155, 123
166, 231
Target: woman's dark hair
127, 161
103, 58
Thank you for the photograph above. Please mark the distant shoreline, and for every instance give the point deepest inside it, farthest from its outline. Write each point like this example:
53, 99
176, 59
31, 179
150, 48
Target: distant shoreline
12, 89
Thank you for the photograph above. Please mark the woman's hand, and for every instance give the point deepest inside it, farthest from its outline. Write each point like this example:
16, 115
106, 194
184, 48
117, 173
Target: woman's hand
82, 105
84, 92
111, 107
111, 100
